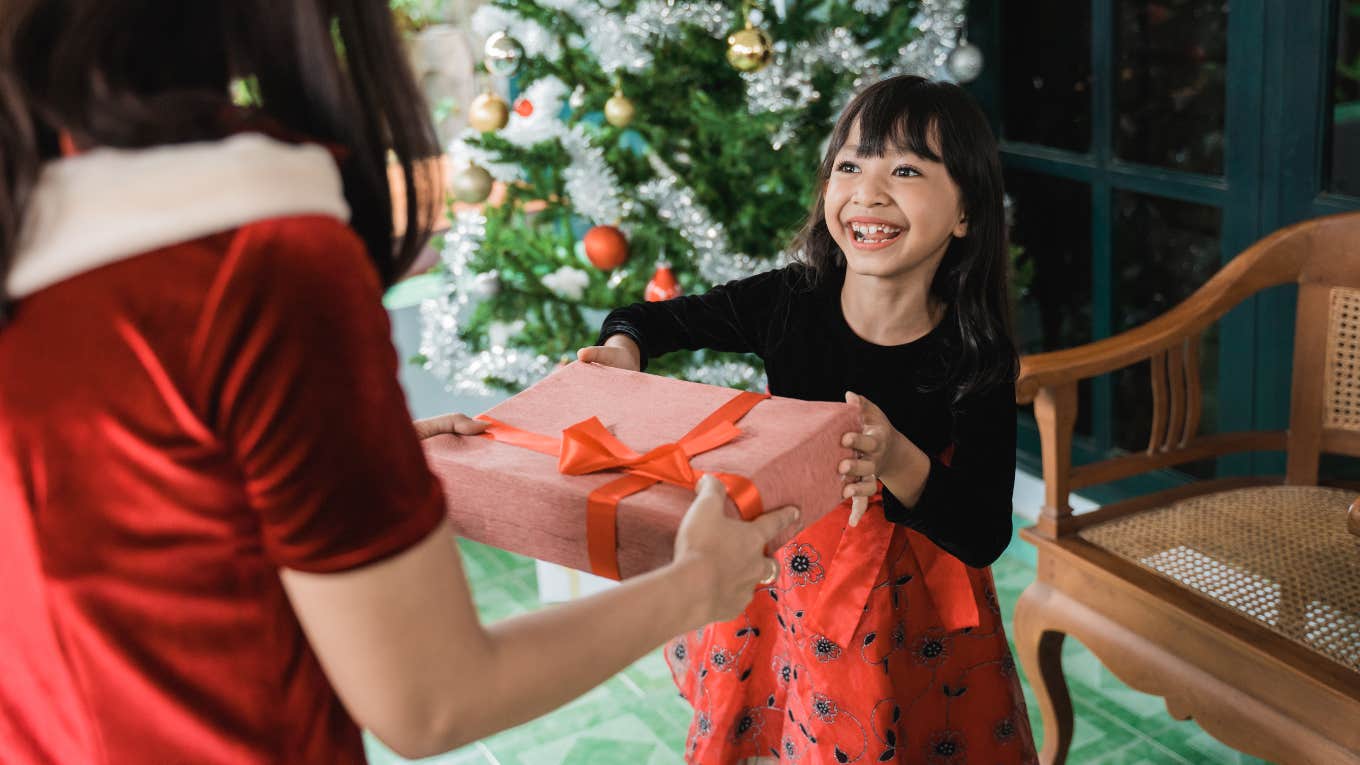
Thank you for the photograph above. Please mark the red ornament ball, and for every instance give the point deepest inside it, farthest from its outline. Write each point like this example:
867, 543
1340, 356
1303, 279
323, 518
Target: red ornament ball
524, 107
663, 285
606, 247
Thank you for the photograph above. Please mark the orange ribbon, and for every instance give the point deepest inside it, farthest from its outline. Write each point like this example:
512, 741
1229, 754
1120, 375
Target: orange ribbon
589, 447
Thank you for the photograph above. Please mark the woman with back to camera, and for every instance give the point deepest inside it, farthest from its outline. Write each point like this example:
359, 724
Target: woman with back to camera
219, 540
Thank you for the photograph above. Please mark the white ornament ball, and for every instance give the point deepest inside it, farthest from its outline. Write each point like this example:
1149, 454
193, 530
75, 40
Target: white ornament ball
965, 62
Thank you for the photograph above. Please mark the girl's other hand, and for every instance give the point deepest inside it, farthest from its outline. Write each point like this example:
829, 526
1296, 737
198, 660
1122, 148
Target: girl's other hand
618, 351
726, 553
457, 424
877, 451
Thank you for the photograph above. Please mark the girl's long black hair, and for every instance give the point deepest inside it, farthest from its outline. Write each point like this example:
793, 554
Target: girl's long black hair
942, 123
137, 73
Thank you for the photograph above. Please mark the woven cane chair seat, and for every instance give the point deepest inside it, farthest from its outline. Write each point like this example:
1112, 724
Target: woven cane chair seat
1280, 555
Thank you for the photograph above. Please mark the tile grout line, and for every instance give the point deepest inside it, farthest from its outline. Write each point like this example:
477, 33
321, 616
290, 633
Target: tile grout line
632, 686
487, 753
1138, 734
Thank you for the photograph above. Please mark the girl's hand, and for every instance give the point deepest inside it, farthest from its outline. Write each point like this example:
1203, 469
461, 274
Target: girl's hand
618, 351
458, 424
879, 450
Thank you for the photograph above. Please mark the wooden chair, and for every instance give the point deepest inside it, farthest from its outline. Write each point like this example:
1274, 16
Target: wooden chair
1236, 600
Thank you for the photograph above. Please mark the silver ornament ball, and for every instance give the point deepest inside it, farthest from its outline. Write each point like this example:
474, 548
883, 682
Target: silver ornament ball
503, 54
965, 62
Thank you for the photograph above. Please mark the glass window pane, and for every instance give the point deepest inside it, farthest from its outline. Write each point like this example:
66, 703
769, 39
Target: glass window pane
1046, 73
1051, 249
1344, 169
1163, 251
1170, 70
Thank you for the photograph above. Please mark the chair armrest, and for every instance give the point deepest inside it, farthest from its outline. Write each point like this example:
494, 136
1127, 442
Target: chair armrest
1274, 260
1353, 518
1069, 365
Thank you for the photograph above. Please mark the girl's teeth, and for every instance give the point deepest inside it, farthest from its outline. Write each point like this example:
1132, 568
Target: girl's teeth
862, 231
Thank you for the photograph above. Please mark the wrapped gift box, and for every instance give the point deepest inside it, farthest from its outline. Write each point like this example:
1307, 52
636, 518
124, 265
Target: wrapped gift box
516, 498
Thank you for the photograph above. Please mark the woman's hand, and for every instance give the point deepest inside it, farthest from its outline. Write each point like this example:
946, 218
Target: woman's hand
458, 424
880, 452
618, 351
727, 554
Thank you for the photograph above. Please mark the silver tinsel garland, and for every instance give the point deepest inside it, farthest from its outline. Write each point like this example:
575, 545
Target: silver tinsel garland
631, 36
729, 374
939, 22
590, 182
449, 357
786, 84
676, 207
872, 7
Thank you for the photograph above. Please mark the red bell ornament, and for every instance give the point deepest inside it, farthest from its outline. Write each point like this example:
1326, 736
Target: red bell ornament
663, 285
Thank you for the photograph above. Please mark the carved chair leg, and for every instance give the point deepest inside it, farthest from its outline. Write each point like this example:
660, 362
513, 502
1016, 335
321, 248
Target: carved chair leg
1040, 652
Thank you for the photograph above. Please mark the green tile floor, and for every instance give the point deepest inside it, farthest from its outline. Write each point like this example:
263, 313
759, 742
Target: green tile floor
636, 718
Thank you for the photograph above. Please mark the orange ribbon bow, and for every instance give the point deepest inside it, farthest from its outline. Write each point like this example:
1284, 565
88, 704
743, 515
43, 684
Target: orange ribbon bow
589, 447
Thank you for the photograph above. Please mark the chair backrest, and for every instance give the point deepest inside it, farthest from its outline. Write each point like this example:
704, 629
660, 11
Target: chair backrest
1325, 400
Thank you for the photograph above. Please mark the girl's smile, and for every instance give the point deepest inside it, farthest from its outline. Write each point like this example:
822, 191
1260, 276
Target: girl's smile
869, 233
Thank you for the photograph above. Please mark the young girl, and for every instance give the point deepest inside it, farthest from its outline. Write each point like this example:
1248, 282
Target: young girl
876, 643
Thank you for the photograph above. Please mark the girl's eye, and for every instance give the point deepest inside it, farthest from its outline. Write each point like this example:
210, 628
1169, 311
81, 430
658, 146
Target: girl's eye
847, 167
906, 171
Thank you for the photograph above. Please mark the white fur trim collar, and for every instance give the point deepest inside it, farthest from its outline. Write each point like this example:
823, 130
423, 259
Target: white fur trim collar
106, 205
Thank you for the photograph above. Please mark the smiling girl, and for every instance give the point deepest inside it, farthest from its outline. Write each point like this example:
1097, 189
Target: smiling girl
881, 638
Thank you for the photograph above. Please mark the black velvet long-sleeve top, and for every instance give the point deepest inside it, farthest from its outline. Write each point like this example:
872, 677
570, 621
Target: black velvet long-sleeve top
811, 353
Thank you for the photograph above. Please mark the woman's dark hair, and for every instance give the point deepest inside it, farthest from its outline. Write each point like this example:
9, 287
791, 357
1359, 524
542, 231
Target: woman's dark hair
940, 122
137, 73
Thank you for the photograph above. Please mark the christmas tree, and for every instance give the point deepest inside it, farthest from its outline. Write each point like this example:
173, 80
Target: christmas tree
652, 148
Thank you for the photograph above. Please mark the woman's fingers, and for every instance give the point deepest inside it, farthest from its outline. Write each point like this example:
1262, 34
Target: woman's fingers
732, 549
453, 422
467, 426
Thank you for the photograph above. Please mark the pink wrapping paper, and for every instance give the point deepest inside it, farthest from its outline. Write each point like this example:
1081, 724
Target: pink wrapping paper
515, 499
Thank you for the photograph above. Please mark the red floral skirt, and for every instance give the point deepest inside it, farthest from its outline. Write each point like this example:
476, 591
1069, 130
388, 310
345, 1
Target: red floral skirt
894, 685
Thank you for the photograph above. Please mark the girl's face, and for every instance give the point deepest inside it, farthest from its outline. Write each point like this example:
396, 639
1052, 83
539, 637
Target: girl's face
891, 215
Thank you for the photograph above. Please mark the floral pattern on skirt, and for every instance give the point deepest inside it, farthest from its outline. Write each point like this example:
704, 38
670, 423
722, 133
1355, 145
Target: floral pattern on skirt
903, 690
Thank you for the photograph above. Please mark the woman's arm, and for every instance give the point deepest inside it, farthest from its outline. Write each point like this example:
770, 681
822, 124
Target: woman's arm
401, 642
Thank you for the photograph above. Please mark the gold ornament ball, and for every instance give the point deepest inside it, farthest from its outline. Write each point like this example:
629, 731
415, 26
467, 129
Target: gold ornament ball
471, 185
618, 110
749, 49
488, 113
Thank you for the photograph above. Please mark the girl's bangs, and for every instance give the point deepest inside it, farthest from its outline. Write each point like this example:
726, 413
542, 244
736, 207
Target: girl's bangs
901, 118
